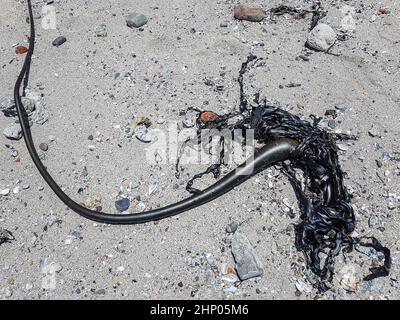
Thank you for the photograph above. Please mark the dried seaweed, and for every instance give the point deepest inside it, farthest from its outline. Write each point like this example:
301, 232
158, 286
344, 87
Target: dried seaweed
326, 215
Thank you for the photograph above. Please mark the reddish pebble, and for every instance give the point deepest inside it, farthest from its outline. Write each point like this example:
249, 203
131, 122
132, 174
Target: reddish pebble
382, 10
21, 49
208, 116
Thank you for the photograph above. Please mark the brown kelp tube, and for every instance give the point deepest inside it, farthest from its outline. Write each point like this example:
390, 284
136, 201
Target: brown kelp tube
327, 218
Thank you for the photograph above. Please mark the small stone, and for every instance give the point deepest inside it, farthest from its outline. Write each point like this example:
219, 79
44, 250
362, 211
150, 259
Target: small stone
41, 115
7, 105
21, 49
122, 204
4, 192
247, 263
44, 146
332, 124
374, 132
373, 221
231, 227
254, 13
13, 131
322, 37
208, 116
6, 292
230, 277
17, 189
59, 41
135, 20
100, 292
145, 134
223, 24
101, 31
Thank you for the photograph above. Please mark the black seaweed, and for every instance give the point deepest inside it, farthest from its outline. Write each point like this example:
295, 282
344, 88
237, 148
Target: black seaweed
326, 215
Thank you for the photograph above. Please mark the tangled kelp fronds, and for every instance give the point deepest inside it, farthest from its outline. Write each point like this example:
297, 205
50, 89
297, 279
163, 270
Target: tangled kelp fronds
327, 219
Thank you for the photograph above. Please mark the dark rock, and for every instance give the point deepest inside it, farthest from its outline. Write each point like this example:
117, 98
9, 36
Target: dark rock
59, 41
122, 204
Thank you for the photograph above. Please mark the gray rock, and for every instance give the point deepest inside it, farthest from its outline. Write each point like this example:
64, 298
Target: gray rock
247, 263
13, 131
322, 37
136, 20
59, 41
41, 115
231, 227
44, 146
6, 293
144, 133
101, 31
122, 204
7, 105
332, 124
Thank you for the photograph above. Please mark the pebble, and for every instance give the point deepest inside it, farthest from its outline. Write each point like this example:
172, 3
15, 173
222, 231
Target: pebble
101, 31
17, 189
231, 227
41, 114
4, 192
374, 132
254, 13
144, 133
6, 293
21, 49
59, 41
332, 124
135, 20
230, 277
44, 146
322, 37
247, 263
223, 24
13, 131
7, 105
122, 204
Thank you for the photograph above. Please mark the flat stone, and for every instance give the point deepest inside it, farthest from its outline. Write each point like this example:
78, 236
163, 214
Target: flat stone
4, 192
136, 20
101, 31
44, 146
144, 133
247, 263
13, 131
122, 204
254, 13
59, 41
231, 227
7, 105
322, 37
